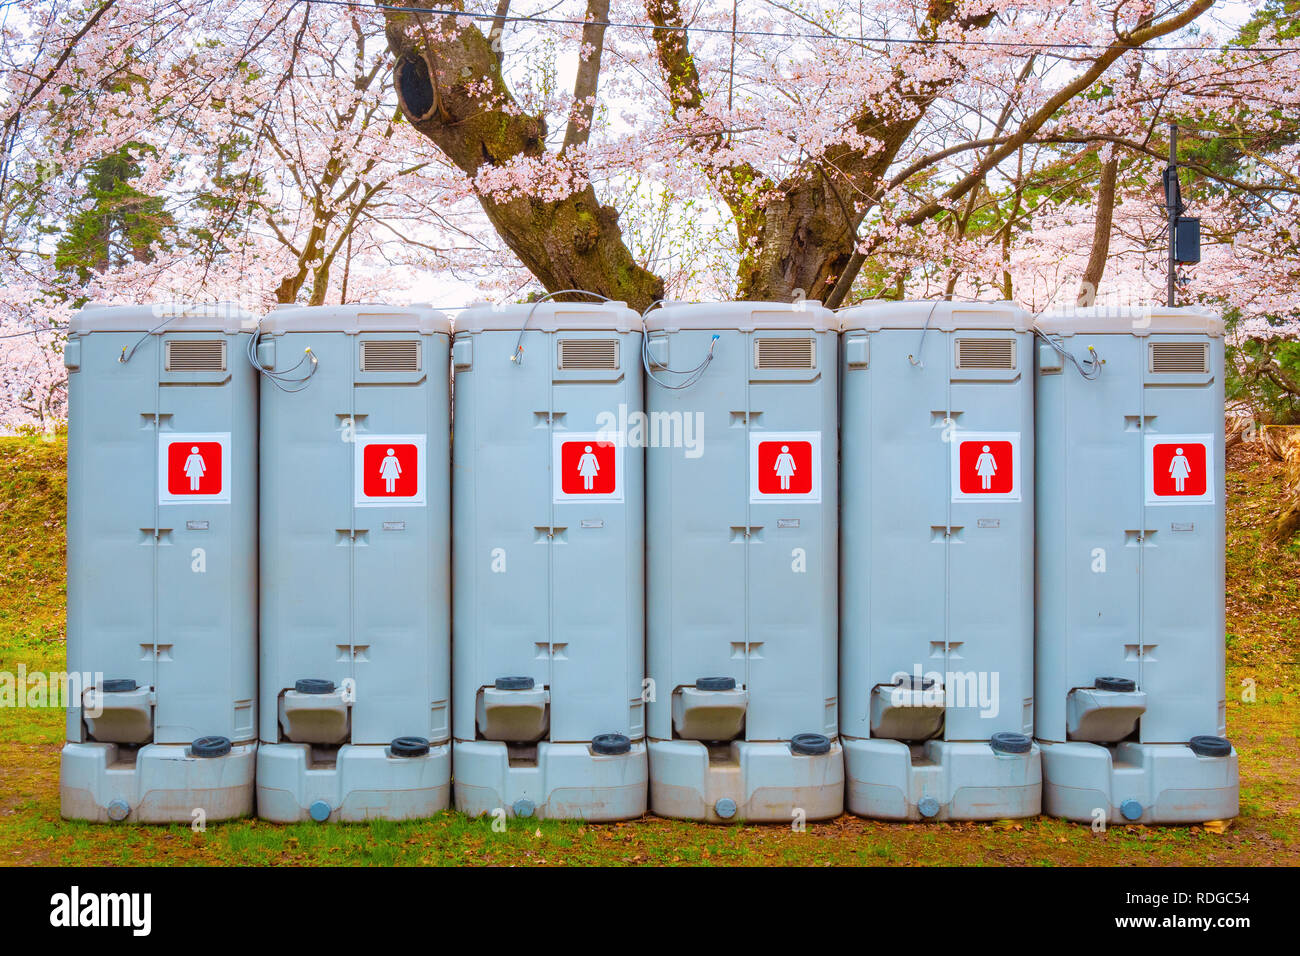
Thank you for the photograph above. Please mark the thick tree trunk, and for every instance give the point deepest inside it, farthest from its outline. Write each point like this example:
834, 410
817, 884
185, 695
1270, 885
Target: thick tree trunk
571, 243
450, 87
806, 237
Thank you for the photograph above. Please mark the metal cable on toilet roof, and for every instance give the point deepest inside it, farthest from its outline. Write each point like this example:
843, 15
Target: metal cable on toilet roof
282, 379
1089, 368
518, 356
693, 374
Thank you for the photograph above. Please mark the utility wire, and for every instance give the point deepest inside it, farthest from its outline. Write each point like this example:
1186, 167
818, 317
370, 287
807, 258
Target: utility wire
127, 353
693, 375
1089, 368
18, 335
517, 357
282, 380
920, 344
777, 34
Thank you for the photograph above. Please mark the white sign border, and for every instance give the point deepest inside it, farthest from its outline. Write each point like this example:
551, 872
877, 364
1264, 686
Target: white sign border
954, 457
361, 499
558, 438
1149, 469
814, 496
165, 497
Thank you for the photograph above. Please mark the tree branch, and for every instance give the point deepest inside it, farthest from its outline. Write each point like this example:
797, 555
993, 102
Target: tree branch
584, 85
1126, 41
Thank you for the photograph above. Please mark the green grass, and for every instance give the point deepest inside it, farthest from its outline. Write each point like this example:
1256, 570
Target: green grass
1263, 600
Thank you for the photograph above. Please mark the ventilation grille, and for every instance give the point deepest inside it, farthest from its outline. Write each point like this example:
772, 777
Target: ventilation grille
382, 355
986, 353
785, 353
588, 353
196, 355
1185, 357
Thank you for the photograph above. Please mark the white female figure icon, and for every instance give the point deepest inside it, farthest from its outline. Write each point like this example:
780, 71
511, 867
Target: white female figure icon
784, 467
390, 469
986, 467
195, 468
588, 468
1180, 469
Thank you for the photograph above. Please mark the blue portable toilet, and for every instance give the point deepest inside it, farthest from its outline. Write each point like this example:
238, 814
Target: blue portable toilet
742, 573
162, 552
1130, 618
548, 557
937, 479
355, 576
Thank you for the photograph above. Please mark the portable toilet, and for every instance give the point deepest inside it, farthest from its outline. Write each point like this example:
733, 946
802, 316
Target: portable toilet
355, 563
936, 632
162, 557
1130, 618
548, 634
742, 572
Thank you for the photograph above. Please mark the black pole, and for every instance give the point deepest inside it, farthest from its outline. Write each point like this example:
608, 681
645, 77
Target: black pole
1171, 204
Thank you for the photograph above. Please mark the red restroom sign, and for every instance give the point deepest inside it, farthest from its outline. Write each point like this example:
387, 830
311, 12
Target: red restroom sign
390, 470
586, 466
985, 466
785, 466
194, 467
1179, 469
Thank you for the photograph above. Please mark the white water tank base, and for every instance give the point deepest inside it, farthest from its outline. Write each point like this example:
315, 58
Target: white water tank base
164, 784
365, 782
1138, 783
125, 717
566, 782
709, 714
755, 782
940, 780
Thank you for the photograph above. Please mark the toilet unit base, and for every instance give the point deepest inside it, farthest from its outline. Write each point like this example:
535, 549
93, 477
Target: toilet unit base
363, 782
560, 781
940, 780
155, 783
1137, 783
750, 781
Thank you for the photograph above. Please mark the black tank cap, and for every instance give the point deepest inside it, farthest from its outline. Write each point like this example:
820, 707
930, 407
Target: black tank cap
514, 683
1207, 745
810, 744
409, 747
314, 685
1009, 743
210, 747
715, 683
1122, 684
611, 744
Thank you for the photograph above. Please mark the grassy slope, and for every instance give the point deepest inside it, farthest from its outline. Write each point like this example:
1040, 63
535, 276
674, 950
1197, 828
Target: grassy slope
1264, 634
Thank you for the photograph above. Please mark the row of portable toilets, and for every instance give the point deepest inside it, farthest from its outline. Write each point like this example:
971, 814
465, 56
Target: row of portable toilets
741, 561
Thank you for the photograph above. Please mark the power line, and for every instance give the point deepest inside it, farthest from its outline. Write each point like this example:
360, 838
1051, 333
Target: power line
780, 34
18, 335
